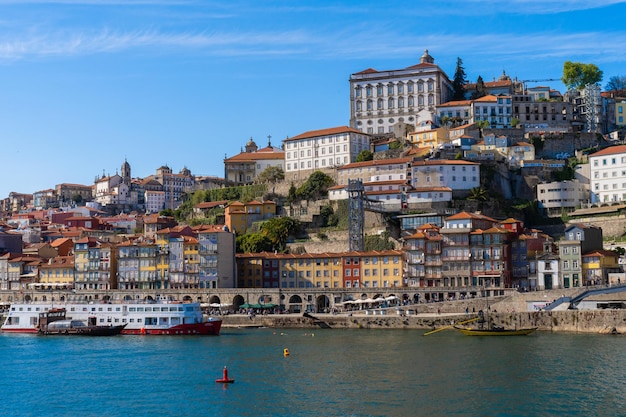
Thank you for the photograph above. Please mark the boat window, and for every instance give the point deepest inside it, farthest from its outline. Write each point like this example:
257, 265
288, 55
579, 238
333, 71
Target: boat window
37, 309
151, 321
84, 308
73, 309
28, 309
188, 308
162, 320
108, 319
101, 320
109, 309
132, 309
180, 309
117, 309
140, 309
117, 320
138, 320
173, 308
99, 308
123, 320
131, 320
164, 309
148, 308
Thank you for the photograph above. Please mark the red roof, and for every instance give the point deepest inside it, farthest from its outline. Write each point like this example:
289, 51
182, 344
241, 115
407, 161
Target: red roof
325, 132
611, 150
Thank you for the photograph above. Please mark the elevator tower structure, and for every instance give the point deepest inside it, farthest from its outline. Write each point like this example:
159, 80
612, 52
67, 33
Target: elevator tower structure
356, 214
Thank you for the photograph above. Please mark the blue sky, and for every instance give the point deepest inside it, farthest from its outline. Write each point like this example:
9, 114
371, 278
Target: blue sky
87, 84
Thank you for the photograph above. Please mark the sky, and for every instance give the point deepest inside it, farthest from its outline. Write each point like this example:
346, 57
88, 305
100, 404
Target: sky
88, 84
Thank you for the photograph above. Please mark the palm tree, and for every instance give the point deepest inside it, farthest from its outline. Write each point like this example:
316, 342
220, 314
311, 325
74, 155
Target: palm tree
478, 194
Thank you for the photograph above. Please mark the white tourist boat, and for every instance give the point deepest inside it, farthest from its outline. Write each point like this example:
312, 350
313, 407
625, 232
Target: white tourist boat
165, 318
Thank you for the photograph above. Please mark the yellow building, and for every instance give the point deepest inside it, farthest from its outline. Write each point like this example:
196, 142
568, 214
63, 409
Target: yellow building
371, 269
250, 270
58, 272
378, 269
239, 216
597, 265
431, 138
191, 256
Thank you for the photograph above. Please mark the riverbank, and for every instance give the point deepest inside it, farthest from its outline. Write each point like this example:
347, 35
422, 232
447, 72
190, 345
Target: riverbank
596, 321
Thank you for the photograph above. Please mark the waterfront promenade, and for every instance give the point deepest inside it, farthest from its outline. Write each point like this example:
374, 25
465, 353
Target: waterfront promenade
509, 310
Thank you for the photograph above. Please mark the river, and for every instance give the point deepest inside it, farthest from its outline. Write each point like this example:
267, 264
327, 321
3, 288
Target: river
327, 373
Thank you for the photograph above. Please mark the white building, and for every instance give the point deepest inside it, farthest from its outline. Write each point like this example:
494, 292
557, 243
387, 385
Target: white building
245, 167
155, 201
555, 197
380, 99
608, 175
375, 170
458, 175
324, 149
548, 276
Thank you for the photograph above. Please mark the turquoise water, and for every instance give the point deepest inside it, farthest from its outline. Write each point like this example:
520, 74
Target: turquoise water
328, 373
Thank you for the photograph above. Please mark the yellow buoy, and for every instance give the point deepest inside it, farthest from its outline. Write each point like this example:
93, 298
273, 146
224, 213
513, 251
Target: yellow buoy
286, 352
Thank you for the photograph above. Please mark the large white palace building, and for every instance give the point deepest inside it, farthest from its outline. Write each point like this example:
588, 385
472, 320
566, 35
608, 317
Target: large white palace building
381, 99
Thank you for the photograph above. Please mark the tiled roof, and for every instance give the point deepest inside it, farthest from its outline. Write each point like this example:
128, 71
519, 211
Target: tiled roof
261, 154
325, 132
443, 162
611, 150
376, 162
456, 103
210, 204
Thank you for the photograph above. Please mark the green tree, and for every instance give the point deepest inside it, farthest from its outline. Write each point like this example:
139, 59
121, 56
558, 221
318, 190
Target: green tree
478, 194
396, 144
278, 230
482, 125
459, 81
253, 243
77, 199
378, 242
515, 122
576, 75
365, 155
292, 194
271, 174
315, 187
619, 250
616, 83
479, 90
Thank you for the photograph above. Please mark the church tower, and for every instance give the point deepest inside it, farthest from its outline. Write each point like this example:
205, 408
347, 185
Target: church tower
126, 172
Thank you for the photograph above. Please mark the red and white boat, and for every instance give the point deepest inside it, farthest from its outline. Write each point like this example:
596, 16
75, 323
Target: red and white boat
161, 318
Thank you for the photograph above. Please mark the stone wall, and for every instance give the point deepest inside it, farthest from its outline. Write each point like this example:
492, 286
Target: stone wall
598, 321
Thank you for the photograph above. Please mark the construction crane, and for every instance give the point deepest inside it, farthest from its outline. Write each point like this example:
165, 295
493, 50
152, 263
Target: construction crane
536, 81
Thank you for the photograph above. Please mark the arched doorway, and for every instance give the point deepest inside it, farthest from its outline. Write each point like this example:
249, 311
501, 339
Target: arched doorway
295, 304
238, 301
322, 304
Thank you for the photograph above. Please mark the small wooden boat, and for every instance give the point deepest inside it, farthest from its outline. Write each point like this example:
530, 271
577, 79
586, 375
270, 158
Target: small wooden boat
495, 331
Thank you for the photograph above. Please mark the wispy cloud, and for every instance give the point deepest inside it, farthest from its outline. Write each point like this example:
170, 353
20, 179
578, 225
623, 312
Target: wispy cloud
306, 44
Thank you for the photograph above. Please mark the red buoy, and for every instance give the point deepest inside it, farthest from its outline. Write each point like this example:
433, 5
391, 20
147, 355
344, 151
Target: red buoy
225, 379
